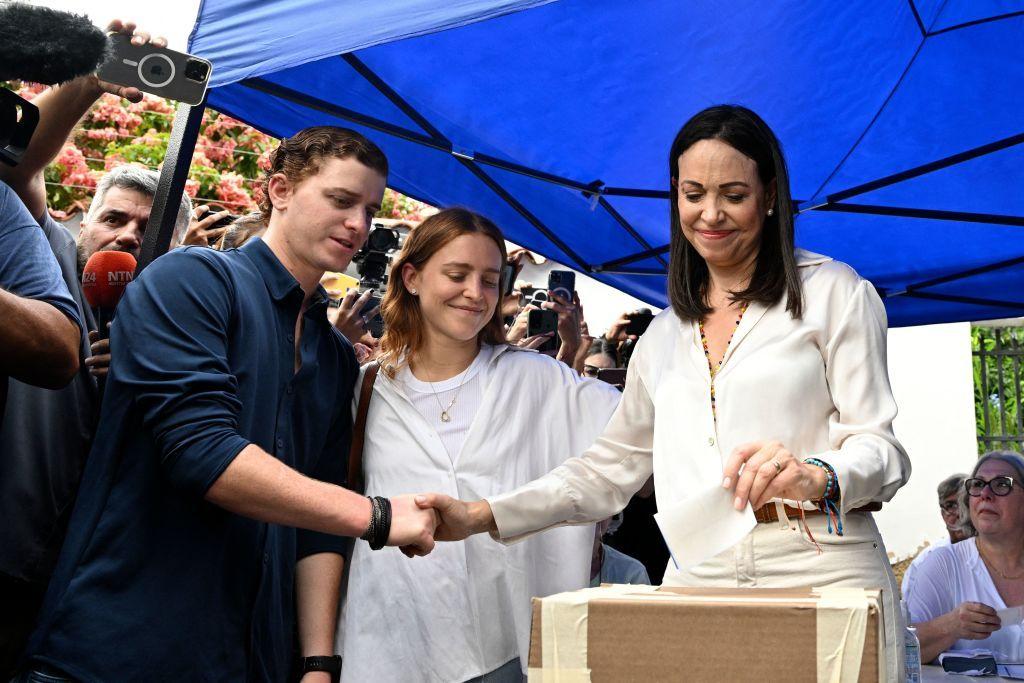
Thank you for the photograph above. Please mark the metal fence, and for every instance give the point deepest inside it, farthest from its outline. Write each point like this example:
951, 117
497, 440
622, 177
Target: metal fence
997, 356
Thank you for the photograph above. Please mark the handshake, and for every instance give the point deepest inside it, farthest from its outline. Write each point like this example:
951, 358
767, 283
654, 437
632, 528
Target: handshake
418, 521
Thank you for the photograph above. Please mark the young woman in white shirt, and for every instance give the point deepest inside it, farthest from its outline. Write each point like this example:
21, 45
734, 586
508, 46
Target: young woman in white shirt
454, 408
958, 588
770, 359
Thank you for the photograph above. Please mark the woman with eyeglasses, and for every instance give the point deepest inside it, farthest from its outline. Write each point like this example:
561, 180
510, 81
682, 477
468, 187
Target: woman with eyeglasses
601, 356
958, 588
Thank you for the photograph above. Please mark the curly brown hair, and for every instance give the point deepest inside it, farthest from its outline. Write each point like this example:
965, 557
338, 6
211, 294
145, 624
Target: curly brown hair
299, 156
403, 320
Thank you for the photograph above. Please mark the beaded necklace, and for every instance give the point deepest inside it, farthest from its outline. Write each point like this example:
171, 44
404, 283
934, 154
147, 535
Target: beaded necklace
707, 353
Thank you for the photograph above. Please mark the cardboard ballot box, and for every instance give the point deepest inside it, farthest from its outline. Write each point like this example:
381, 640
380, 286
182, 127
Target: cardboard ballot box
645, 633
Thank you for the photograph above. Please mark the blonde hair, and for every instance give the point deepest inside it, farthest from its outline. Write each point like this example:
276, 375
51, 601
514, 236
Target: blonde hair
403, 320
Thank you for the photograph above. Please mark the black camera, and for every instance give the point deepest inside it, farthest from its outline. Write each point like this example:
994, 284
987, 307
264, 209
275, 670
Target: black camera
18, 120
374, 259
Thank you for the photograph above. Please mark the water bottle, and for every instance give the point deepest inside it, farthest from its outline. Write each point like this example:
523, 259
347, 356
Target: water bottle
911, 647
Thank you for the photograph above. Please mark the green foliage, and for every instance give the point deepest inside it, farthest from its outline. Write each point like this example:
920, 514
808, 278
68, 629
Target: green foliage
998, 354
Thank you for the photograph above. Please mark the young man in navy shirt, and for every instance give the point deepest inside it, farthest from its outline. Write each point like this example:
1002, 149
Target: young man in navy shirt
211, 504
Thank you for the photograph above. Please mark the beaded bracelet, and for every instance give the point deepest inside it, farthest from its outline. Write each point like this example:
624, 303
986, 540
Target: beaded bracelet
828, 503
831, 481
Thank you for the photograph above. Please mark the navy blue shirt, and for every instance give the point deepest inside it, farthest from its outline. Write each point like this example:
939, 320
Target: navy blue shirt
153, 582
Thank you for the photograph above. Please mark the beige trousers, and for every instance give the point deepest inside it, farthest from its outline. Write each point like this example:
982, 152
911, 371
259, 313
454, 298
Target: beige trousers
780, 555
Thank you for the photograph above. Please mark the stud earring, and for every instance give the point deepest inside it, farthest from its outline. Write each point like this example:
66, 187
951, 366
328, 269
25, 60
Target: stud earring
413, 292
771, 211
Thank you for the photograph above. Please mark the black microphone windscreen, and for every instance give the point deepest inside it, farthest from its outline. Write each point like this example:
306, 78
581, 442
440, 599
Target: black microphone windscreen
44, 45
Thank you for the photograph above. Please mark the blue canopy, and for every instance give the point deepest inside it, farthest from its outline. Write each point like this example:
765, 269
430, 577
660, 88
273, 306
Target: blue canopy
901, 121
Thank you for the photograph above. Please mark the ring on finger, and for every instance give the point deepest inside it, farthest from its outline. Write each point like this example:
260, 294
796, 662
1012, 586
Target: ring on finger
778, 466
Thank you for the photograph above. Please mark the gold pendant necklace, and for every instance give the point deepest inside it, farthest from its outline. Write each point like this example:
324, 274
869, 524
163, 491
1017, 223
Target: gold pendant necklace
445, 417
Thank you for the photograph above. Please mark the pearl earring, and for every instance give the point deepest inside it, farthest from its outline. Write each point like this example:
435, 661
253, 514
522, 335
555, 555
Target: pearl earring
413, 292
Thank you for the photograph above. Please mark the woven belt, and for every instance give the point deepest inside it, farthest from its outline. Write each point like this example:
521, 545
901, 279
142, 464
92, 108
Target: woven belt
767, 514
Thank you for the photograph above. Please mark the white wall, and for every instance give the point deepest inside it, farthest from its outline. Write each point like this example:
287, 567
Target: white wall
932, 380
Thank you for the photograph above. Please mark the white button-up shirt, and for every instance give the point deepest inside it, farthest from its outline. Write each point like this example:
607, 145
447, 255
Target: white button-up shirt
818, 384
464, 610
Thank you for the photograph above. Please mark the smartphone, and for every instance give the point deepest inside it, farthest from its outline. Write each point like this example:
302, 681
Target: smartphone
614, 376
508, 279
562, 283
375, 325
541, 321
639, 322
156, 70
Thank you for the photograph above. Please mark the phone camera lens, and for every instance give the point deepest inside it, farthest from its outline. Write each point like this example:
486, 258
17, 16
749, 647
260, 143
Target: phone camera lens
196, 70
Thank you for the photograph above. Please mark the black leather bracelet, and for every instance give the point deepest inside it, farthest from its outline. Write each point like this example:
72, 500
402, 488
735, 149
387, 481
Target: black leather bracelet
331, 665
379, 528
385, 526
371, 529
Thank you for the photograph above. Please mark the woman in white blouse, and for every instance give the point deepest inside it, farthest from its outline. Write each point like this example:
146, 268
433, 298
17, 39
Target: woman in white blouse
771, 359
957, 589
456, 409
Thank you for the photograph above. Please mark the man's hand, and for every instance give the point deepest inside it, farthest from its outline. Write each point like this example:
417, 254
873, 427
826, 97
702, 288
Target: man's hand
349, 321
99, 358
201, 232
127, 28
617, 332
412, 526
457, 519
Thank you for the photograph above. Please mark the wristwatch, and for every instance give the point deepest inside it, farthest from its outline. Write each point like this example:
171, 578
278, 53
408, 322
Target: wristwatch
331, 665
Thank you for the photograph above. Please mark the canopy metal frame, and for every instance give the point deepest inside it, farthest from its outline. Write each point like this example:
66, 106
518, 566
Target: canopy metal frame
185, 131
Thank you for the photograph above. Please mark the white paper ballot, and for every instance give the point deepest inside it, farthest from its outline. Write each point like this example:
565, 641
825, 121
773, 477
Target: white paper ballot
1011, 616
703, 525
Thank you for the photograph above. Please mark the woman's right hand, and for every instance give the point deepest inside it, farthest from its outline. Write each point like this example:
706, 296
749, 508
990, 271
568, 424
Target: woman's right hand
972, 621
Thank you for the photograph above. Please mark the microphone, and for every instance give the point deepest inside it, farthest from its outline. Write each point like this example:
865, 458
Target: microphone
48, 46
104, 279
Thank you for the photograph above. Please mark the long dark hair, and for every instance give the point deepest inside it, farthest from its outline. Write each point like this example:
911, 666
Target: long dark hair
775, 272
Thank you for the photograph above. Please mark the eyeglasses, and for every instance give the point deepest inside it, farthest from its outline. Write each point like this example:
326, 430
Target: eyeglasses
949, 506
1001, 486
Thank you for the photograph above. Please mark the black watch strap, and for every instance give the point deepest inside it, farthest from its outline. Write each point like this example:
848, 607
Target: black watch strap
331, 665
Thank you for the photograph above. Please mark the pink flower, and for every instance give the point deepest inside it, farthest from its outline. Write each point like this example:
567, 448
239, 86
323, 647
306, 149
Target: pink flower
150, 103
221, 151
231, 190
191, 187
264, 161
101, 134
199, 158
